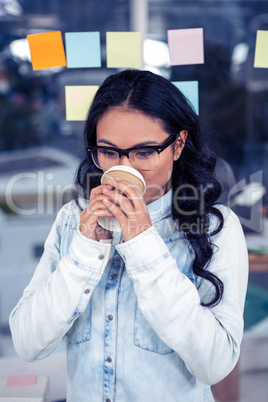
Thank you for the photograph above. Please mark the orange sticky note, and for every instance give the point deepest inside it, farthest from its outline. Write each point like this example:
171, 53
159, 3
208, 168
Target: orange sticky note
47, 50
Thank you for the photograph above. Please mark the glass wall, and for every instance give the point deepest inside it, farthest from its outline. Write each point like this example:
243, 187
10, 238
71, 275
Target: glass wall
40, 150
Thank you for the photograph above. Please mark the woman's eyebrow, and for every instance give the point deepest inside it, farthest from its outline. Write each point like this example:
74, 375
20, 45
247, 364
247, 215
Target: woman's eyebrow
141, 144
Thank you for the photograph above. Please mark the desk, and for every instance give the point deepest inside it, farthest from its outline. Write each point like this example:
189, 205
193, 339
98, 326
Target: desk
27, 393
53, 367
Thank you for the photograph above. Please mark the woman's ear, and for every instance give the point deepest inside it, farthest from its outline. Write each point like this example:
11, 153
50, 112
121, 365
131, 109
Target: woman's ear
179, 144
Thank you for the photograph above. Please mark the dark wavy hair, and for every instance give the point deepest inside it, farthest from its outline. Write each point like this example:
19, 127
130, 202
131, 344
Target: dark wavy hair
158, 98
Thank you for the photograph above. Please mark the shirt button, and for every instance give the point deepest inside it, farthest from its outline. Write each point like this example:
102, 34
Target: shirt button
110, 317
114, 276
109, 359
101, 257
87, 291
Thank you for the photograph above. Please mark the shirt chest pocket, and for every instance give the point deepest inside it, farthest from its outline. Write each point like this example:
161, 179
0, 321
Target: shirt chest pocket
145, 337
81, 329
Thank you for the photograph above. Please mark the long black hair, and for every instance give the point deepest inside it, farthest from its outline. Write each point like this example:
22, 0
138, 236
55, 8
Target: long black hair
195, 189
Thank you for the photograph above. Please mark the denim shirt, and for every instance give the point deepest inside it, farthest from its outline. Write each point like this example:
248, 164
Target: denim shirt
131, 310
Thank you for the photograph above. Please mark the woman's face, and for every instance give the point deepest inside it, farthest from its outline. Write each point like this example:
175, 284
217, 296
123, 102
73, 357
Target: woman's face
123, 129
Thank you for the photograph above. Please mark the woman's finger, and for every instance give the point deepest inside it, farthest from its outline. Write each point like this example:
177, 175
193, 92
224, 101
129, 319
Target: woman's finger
120, 200
130, 190
95, 202
93, 211
116, 211
126, 191
98, 190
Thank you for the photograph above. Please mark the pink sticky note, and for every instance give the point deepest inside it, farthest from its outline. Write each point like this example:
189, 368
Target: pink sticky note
186, 46
21, 380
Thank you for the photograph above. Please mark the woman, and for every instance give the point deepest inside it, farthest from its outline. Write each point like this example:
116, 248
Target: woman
154, 312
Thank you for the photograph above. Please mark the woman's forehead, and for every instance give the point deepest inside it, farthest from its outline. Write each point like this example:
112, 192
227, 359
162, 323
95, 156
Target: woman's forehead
130, 125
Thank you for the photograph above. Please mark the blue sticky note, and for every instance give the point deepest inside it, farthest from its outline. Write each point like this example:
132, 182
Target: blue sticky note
190, 91
83, 49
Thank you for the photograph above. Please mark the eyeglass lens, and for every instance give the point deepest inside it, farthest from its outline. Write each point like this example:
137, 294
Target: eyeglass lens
143, 159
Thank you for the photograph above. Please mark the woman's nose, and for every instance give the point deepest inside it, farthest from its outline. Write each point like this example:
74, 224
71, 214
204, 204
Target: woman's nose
125, 161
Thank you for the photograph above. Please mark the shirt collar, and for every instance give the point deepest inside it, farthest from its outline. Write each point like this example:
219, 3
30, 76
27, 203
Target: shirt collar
161, 207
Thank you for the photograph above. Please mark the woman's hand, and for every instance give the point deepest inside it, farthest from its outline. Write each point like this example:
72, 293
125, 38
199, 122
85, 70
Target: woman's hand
128, 207
89, 226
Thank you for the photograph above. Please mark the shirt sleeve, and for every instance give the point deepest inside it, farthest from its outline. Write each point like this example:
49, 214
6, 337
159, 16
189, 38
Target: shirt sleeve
58, 292
207, 339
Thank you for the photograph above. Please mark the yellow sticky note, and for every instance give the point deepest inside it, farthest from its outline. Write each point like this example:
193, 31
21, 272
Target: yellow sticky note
261, 50
78, 99
47, 50
123, 49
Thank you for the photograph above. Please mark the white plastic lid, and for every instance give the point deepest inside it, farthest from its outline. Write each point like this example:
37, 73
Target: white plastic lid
125, 169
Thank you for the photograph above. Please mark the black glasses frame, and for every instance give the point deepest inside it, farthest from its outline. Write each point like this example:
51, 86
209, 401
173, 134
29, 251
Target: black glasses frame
125, 152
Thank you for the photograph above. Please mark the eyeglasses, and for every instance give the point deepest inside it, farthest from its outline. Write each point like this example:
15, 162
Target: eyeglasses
143, 158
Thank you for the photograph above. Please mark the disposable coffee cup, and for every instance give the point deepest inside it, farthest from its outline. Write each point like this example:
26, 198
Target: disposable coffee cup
128, 174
